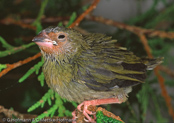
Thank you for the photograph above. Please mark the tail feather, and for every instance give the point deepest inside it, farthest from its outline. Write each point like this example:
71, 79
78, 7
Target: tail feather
152, 63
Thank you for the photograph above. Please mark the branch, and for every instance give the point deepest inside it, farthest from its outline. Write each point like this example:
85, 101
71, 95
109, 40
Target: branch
41, 12
9, 113
164, 92
167, 70
81, 17
80, 115
15, 49
25, 23
109, 114
141, 33
17, 64
134, 29
160, 78
145, 43
19, 23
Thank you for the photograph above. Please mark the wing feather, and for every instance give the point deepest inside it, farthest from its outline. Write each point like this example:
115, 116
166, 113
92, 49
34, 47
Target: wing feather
103, 66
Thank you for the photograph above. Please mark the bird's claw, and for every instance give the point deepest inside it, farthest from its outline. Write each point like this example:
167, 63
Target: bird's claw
86, 112
86, 120
74, 116
79, 107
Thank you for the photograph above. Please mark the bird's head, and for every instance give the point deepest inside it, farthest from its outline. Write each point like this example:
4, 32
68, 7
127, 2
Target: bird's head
59, 41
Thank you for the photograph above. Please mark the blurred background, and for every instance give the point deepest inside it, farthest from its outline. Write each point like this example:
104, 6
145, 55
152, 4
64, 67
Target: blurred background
19, 24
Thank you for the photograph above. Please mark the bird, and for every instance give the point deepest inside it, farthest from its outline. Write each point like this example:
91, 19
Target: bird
90, 69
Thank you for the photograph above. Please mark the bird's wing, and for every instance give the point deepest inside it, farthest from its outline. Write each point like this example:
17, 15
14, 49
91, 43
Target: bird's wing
103, 66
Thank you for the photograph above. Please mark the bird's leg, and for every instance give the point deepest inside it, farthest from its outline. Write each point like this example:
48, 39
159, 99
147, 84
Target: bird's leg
74, 116
96, 102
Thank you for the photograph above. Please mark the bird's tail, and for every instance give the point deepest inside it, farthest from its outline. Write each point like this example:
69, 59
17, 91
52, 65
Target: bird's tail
152, 63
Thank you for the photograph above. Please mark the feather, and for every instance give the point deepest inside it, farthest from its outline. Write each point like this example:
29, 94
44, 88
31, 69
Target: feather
85, 67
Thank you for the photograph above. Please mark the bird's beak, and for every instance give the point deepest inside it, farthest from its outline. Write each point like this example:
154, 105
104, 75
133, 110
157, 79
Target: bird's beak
41, 37
38, 39
43, 40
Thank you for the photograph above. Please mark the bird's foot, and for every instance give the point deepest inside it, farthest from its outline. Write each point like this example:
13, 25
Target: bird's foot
85, 119
74, 116
86, 112
96, 102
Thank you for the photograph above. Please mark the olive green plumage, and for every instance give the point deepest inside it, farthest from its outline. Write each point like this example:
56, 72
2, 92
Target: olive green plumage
86, 67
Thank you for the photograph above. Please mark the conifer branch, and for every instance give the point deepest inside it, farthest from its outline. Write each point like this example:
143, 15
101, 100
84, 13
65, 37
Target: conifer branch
141, 32
166, 70
17, 64
81, 17
15, 49
10, 114
26, 22
10, 20
41, 12
134, 29
160, 78
101, 114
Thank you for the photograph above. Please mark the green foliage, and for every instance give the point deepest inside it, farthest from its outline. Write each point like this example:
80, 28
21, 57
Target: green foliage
157, 44
58, 106
74, 104
148, 14
41, 12
60, 24
14, 117
5, 44
18, 41
15, 50
149, 100
85, 7
36, 69
147, 97
45, 98
159, 117
143, 98
72, 19
169, 83
166, 15
41, 78
101, 118
2, 66
38, 27
11, 49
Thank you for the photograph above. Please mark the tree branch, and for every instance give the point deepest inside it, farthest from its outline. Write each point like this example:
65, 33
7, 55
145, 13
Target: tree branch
164, 93
17, 64
167, 70
25, 23
141, 32
81, 17
134, 29
9, 113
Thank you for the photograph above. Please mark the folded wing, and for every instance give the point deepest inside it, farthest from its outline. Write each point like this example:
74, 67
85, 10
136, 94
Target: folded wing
103, 66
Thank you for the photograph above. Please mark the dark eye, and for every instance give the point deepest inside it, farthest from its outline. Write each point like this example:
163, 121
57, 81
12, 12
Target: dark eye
61, 37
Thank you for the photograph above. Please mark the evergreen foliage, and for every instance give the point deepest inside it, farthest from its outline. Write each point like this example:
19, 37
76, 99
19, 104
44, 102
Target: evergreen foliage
147, 99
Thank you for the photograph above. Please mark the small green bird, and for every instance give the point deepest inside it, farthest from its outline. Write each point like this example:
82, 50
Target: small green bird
89, 69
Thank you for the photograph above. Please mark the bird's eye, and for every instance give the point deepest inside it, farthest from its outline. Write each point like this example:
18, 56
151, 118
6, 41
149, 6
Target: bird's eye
61, 37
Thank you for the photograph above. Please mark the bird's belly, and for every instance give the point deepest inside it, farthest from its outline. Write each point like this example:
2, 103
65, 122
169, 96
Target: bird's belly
80, 92
60, 80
